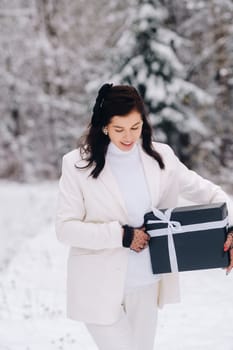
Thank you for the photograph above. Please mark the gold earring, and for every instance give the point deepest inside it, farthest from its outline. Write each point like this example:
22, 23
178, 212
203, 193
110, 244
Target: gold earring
105, 131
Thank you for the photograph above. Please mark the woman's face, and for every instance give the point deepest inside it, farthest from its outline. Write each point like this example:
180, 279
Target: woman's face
124, 131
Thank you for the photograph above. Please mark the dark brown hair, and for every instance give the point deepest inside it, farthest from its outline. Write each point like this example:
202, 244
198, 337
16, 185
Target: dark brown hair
114, 100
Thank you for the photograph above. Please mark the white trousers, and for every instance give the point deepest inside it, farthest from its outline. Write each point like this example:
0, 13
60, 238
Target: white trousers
135, 330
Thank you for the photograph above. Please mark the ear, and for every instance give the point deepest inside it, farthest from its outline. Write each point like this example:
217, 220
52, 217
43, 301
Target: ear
105, 130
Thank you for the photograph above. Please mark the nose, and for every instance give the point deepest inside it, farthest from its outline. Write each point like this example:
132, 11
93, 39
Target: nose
127, 136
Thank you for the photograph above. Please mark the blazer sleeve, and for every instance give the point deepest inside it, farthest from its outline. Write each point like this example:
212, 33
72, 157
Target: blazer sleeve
200, 190
70, 226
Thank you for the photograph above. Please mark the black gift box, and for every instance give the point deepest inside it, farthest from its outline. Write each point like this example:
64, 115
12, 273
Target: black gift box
195, 250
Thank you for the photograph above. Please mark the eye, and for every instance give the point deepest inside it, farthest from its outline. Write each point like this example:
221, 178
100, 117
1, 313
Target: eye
136, 128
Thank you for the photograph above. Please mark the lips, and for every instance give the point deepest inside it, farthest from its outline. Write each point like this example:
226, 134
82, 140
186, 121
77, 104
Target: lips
127, 144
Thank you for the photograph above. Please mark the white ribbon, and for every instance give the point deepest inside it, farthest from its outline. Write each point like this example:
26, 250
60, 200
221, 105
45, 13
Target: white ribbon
175, 227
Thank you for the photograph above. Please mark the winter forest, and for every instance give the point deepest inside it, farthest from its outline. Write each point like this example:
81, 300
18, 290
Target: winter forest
55, 55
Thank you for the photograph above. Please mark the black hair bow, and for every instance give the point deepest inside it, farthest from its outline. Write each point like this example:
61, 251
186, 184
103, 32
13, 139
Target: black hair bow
102, 93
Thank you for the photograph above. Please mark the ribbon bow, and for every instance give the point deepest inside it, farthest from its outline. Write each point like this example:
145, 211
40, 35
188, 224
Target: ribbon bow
172, 227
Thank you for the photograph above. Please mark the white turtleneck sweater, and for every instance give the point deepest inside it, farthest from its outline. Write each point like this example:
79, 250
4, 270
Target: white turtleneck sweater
128, 171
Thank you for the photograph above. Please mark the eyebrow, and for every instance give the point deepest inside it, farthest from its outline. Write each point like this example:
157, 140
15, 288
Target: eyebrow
122, 127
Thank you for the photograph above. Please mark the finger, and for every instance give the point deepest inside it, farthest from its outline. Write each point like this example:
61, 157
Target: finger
143, 246
144, 243
228, 242
140, 231
135, 246
231, 261
137, 250
146, 237
141, 238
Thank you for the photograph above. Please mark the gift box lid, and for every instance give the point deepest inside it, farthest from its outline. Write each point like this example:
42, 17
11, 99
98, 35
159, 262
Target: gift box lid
192, 214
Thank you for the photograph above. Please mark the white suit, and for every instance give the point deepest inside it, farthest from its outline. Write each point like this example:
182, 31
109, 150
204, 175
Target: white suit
90, 216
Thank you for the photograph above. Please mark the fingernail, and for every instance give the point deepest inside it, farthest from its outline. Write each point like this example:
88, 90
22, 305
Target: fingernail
225, 248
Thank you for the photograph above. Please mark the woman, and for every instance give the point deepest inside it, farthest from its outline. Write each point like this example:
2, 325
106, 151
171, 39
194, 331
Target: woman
106, 187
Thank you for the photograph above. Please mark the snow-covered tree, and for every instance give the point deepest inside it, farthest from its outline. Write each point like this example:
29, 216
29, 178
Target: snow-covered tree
208, 26
53, 52
49, 51
151, 64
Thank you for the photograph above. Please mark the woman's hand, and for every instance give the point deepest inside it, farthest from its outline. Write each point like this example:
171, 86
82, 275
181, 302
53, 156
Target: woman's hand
140, 240
228, 246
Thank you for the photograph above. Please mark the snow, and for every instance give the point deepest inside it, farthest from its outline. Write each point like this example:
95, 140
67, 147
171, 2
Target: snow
148, 11
156, 89
166, 54
32, 286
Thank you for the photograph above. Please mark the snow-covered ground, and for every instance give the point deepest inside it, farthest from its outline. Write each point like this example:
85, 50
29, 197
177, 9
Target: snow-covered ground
32, 286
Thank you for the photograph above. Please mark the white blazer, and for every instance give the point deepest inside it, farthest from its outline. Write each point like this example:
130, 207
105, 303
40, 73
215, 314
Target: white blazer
90, 215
